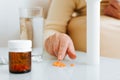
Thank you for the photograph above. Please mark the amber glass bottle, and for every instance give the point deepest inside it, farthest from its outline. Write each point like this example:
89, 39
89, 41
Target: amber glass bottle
19, 56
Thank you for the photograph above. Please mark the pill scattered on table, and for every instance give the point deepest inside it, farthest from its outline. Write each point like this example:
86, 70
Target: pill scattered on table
61, 64
72, 65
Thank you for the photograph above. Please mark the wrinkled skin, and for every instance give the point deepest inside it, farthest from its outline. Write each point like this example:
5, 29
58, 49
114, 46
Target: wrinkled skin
60, 45
113, 9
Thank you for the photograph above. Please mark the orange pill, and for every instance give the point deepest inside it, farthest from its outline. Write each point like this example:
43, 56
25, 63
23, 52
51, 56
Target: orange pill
59, 64
72, 65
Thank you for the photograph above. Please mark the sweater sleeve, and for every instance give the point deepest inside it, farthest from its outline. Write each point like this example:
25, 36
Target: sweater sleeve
59, 14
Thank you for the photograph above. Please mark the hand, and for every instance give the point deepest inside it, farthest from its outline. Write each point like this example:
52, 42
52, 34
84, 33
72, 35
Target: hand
113, 9
60, 45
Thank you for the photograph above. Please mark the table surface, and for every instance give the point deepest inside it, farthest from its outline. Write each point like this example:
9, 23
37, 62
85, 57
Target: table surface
109, 69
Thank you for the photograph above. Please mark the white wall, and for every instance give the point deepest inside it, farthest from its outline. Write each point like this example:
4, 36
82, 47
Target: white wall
9, 17
9, 27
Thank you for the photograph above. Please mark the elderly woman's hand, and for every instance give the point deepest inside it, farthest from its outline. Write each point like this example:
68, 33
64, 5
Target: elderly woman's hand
113, 9
60, 45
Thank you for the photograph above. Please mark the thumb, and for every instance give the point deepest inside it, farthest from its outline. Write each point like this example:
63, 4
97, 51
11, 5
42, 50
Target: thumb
71, 51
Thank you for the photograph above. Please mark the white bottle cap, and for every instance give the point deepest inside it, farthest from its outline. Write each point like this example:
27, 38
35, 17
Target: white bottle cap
19, 45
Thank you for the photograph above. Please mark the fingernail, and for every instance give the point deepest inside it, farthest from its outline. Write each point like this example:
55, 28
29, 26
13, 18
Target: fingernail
56, 54
59, 57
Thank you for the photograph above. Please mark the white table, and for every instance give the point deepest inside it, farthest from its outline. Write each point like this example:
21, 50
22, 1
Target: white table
109, 69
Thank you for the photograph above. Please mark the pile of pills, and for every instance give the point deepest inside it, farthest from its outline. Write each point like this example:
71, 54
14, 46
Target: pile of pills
61, 64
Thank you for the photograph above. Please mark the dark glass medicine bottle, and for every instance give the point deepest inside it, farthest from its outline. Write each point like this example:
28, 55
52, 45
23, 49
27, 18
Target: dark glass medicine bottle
19, 56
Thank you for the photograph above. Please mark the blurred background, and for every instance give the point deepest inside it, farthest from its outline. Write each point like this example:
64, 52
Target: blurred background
9, 17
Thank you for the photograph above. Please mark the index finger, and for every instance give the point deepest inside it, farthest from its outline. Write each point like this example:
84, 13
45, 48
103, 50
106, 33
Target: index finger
63, 45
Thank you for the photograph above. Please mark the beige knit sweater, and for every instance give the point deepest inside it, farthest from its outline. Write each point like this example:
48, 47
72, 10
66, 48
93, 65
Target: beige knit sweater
61, 11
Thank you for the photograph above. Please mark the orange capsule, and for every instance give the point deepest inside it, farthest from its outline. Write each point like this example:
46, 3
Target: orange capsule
72, 65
